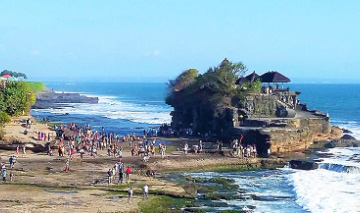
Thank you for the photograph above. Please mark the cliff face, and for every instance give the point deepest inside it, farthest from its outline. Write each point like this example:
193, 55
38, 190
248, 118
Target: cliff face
299, 134
279, 135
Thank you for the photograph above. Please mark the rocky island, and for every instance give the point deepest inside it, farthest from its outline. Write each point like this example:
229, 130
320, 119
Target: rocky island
223, 104
50, 99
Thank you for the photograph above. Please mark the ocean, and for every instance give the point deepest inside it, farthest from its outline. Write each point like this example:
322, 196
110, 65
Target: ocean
132, 107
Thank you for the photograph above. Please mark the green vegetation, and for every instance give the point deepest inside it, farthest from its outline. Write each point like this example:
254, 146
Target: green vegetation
204, 100
164, 204
4, 118
16, 98
36, 87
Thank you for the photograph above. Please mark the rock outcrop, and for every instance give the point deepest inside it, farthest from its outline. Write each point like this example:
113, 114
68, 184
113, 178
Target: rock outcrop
51, 99
303, 165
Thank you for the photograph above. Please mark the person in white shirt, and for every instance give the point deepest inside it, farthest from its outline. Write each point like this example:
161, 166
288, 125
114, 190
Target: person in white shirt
146, 191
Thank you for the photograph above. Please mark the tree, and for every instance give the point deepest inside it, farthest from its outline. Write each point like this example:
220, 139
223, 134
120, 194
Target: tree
16, 98
204, 97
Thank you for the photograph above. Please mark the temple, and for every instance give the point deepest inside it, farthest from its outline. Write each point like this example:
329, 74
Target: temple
274, 119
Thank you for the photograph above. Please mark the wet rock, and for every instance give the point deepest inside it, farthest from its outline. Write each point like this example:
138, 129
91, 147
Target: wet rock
346, 131
303, 165
347, 137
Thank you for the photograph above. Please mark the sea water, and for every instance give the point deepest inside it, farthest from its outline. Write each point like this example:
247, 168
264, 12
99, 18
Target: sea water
123, 108
131, 107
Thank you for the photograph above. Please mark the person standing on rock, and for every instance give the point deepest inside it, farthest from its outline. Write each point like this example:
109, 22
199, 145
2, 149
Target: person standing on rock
130, 193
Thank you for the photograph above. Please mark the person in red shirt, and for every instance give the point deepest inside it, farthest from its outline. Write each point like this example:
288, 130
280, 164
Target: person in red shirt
128, 171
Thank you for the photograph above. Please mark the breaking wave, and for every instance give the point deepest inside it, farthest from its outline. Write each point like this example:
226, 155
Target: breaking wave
334, 186
111, 108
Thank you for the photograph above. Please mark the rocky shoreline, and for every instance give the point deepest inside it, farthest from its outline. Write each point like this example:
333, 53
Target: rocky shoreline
56, 100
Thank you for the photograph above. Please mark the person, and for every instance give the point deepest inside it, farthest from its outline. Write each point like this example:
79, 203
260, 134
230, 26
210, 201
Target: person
109, 173
60, 151
50, 150
17, 150
11, 162
255, 151
67, 165
121, 176
4, 175
145, 191
11, 176
186, 147
24, 149
130, 193
128, 171
82, 152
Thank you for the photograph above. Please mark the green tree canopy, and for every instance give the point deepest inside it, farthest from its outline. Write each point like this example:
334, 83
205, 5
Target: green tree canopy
16, 98
209, 94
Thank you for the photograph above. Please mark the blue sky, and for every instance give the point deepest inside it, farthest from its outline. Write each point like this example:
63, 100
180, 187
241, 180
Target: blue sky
153, 41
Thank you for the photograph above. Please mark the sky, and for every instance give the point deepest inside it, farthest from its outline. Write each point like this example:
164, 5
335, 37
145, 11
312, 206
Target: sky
154, 41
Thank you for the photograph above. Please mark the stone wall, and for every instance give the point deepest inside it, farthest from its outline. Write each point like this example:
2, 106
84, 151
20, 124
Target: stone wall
295, 135
298, 134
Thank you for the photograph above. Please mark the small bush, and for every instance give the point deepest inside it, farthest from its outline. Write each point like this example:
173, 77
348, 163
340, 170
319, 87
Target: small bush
2, 133
4, 118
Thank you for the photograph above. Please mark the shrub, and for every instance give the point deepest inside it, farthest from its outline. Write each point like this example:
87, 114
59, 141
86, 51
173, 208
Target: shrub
4, 118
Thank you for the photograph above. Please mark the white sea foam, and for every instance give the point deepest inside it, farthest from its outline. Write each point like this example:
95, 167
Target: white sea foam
327, 189
109, 107
353, 126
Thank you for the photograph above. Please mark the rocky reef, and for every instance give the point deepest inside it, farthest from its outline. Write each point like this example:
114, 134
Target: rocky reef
51, 99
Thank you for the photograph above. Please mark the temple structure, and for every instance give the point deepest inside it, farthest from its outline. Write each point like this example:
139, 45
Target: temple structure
275, 119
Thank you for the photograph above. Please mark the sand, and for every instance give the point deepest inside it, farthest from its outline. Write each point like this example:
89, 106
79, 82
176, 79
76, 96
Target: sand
41, 185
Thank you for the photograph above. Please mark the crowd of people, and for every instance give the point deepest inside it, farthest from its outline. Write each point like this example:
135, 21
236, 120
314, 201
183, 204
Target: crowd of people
3, 171
243, 150
71, 139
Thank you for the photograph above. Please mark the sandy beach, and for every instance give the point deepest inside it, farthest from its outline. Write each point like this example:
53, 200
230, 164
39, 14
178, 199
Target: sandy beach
41, 185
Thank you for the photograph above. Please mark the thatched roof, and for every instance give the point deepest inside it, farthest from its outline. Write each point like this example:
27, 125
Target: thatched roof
252, 77
241, 80
274, 77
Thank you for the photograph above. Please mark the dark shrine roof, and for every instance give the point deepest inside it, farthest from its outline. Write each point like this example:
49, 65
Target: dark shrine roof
252, 77
242, 80
274, 77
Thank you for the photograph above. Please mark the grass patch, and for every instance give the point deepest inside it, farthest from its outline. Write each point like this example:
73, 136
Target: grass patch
159, 204
170, 149
36, 87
